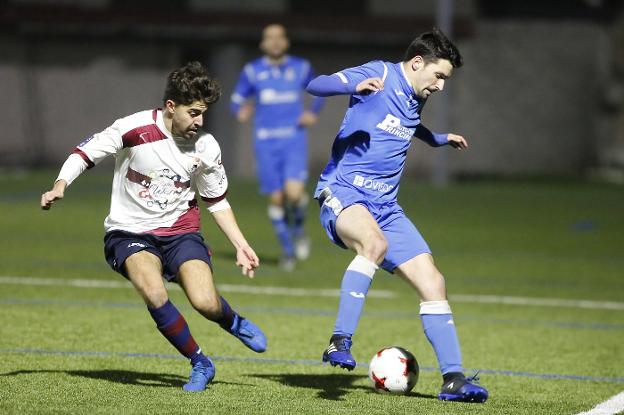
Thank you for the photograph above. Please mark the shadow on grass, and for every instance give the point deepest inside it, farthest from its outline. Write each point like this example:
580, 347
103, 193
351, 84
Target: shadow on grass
331, 386
118, 376
126, 377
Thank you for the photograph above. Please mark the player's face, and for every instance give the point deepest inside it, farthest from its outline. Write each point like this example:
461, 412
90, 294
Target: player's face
186, 119
274, 41
428, 77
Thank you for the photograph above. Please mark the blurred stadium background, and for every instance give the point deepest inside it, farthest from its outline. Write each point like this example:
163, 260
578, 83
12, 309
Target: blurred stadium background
541, 92
532, 253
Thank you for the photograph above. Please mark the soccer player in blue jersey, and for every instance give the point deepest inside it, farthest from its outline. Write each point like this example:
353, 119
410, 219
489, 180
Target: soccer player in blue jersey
358, 190
276, 83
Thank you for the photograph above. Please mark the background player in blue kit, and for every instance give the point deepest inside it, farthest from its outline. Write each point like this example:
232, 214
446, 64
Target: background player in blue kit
276, 82
358, 190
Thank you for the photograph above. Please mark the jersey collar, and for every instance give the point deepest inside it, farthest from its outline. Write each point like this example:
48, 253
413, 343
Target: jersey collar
160, 123
409, 86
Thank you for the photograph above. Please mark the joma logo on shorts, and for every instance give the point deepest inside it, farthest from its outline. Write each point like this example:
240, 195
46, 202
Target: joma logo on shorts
372, 184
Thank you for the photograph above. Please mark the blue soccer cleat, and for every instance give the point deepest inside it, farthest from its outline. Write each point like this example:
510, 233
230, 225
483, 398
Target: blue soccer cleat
339, 352
202, 374
462, 389
248, 333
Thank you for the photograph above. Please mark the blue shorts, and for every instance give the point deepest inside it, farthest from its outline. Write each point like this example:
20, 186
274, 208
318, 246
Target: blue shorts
279, 160
172, 251
404, 240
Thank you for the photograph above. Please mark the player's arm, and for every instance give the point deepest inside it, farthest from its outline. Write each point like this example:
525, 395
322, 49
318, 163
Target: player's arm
212, 185
309, 116
244, 89
437, 140
360, 80
86, 155
246, 258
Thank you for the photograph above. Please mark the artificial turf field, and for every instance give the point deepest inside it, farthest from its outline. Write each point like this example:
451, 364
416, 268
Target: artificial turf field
517, 256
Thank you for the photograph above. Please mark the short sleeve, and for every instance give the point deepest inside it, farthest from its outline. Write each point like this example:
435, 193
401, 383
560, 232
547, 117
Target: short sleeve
210, 177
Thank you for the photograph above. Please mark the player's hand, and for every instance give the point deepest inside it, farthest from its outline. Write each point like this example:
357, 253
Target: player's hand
247, 260
307, 119
369, 85
56, 193
457, 141
245, 112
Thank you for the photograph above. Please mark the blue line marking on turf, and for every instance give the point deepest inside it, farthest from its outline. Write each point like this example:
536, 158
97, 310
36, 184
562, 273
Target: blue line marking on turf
394, 315
307, 362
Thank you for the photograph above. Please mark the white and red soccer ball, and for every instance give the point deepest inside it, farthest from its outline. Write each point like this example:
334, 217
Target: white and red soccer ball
393, 370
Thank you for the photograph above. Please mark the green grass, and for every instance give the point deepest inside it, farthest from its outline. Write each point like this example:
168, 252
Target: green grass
95, 350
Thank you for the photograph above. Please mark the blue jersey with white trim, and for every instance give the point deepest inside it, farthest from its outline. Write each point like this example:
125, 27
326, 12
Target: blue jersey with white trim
278, 91
370, 149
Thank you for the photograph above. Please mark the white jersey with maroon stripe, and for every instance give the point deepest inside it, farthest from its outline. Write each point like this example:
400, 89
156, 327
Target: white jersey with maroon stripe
156, 174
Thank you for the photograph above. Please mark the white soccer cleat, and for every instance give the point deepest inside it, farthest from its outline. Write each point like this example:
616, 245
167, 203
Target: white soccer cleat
302, 247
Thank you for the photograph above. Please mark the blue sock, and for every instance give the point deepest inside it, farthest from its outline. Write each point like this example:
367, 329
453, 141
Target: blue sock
439, 327
227, 315
280, 227
173, 326
355, 283
298, 215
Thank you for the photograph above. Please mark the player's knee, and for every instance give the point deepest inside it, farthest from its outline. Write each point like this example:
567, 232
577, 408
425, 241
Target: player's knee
435, 287
375, 248
276, 199
207, 306
154, 296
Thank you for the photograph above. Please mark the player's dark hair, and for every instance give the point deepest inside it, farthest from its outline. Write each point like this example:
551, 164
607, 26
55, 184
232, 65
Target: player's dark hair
432, 46
191, 83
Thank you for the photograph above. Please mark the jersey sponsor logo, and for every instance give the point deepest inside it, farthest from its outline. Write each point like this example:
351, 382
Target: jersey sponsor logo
271, 96
372, 184
281, 132
393, 125
160, 189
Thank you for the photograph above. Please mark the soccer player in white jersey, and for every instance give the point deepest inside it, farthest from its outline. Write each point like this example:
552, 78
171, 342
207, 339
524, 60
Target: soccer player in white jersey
276, 84
358, 189
152, 230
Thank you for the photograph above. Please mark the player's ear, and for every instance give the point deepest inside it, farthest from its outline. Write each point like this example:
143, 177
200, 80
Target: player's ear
170, 105
417, 63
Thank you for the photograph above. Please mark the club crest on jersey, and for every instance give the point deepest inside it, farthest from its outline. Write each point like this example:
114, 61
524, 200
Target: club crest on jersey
393, 125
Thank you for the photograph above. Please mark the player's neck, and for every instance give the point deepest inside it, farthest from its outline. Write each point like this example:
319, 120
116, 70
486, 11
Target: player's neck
276, 60
168, 122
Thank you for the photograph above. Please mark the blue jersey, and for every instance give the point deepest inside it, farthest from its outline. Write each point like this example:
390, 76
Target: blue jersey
279, 92
370, 149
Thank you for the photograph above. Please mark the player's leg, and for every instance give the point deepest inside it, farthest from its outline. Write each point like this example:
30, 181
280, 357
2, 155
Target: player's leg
297, 202
277, 214
269, 170
356, 229
295, 159
195, 278
144, 269
437, 320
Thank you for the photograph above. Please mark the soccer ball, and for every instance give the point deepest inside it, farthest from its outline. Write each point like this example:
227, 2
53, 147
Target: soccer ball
394, 370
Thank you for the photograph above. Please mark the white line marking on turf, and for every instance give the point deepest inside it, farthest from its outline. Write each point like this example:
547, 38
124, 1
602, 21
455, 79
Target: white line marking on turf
536, 301
231, 288
313, 292
613, 405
